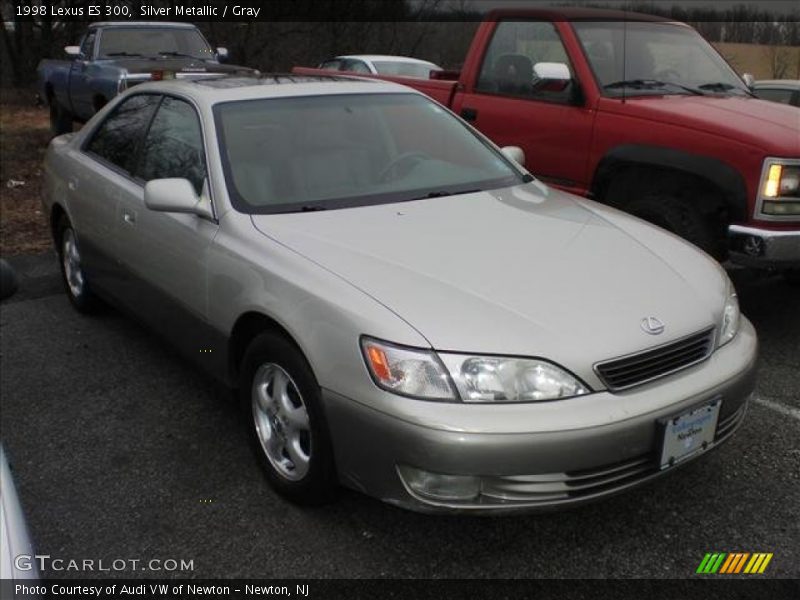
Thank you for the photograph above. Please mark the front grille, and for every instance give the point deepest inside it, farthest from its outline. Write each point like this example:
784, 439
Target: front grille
635, 369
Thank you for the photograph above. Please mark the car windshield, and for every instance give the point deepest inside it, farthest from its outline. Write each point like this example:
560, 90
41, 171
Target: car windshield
336, 151
654, 58
153, 42
404, 69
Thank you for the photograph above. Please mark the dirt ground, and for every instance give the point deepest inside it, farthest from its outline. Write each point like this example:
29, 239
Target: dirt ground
24, 134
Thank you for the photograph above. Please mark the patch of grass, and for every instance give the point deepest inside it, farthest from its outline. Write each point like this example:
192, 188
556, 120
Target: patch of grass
24, 134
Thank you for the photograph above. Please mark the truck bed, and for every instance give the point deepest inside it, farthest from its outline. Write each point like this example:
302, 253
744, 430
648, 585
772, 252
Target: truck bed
441, 91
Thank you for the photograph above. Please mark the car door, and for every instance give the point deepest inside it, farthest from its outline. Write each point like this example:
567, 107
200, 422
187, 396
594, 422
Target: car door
101, 175
164, 253
80, 94
552, 126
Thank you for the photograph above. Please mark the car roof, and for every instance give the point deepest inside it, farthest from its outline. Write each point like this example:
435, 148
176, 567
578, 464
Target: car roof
385, 58
165, 24
214, 90
573, 14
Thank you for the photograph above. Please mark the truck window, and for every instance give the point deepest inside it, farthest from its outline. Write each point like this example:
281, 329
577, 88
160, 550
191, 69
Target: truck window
516, 47
355, 66
667, 52
116, 139
173, 146
87, 45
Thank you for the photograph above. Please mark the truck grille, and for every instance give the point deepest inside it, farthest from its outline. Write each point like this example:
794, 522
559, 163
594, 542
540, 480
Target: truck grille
628, 371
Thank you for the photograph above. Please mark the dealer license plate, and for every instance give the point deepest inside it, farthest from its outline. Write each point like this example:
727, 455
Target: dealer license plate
689, 432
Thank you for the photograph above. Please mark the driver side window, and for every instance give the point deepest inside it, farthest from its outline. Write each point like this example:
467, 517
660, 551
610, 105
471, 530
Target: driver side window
87, 45
515, 49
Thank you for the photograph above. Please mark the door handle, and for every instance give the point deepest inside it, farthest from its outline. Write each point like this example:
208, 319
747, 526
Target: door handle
469, 114
129, 218
72, 184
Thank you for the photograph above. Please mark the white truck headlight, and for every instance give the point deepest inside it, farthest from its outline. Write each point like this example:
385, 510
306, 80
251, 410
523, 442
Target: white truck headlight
779, 192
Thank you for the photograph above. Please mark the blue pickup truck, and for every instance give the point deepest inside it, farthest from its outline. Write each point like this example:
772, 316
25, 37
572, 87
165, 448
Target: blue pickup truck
113, 56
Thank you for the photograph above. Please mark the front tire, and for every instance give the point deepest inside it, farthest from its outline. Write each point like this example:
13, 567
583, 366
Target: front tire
73, 276
679, 217
282, 406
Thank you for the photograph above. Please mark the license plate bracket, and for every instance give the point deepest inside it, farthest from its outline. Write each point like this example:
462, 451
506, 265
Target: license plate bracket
689, 432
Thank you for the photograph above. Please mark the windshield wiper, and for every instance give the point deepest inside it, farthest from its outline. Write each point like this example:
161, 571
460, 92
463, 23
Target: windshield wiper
721, 86
311, 208
123, 53
173, 53
652, 84
444, 193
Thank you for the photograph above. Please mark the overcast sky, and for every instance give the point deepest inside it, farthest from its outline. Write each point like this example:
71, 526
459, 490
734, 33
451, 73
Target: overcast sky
781, 6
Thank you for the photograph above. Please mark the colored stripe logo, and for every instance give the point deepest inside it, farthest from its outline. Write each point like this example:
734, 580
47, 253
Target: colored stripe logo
734, 563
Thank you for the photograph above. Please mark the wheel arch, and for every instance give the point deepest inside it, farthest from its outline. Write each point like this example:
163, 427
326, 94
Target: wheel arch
710, 171
57, 213
247, 327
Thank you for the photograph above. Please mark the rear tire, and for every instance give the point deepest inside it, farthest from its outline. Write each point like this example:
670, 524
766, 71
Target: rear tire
282, 407
76, 284
60, 119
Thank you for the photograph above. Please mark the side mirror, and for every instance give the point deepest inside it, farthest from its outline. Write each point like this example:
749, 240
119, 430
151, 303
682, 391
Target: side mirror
514, 153
73, 51
174, 195
551, 76
222, 54
748, 79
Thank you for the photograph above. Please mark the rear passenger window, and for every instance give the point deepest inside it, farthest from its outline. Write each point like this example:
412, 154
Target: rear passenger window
173, 146
116, 139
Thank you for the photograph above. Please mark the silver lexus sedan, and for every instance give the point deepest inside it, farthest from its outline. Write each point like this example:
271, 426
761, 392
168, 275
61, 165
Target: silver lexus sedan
402, 307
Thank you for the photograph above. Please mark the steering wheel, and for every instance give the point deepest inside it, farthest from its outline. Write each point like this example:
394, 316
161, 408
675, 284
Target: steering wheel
411, 157
668, 75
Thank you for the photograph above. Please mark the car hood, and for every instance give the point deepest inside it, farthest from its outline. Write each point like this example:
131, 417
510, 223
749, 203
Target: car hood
526, 270
771, 126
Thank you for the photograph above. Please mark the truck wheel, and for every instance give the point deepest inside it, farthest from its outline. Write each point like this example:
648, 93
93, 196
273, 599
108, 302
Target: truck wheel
282, 406
679, 217
60, 118
74, 278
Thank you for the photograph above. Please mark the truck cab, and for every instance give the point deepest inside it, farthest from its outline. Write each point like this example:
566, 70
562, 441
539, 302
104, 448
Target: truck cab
113, 56
640, 113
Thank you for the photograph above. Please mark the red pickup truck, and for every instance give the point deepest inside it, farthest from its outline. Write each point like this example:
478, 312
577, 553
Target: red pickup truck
640, 113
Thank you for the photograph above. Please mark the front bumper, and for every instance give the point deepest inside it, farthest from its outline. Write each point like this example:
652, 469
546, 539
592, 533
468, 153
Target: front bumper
756, 247
533, 462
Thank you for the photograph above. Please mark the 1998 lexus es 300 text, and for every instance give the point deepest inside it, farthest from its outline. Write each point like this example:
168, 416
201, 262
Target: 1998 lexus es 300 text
403, 308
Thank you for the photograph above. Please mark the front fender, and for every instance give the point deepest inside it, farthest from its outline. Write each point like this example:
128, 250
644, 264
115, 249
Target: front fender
712, 170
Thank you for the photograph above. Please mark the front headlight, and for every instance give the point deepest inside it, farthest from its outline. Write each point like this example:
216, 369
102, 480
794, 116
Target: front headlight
505, 379
730, 316
407, 371
780, 187
427, 375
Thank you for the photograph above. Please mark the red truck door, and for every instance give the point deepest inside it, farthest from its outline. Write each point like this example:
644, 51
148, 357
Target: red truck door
553, 127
